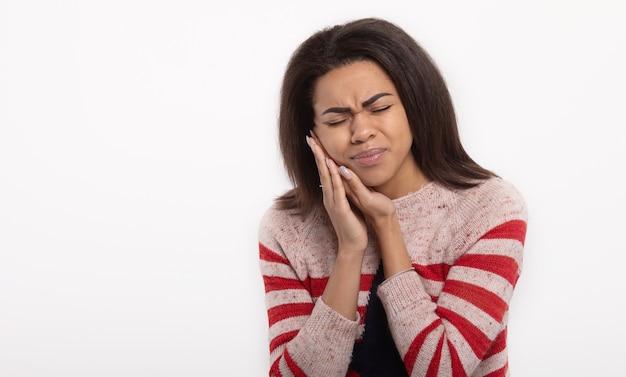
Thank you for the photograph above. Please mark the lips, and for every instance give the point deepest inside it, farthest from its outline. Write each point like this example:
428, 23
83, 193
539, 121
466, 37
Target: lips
369, 157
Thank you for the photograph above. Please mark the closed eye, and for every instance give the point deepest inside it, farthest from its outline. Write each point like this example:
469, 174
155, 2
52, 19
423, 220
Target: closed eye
335, 122
381, 109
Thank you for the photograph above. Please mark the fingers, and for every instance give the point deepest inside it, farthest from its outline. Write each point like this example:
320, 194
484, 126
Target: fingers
354, 188
330, 178
371, 203
339, 192
322, 166
341, 186
338, 183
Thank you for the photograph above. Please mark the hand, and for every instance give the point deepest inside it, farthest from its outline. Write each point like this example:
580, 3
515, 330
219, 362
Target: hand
342, 187
380, 211
349, 226
377, 208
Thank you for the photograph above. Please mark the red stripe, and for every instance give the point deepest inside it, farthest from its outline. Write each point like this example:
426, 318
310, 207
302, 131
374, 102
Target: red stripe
498, 264
270, 256
275, 368
276, 283
282, 339
433, 367
435, 272
315, 286
476, 339
352, 373
457, 366
366, 282
295, 369
485, 300
411, 355
280, 312
362, 310
512, 230
498, 345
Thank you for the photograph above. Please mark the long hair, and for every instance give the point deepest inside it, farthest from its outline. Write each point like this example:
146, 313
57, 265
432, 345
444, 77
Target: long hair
436, 144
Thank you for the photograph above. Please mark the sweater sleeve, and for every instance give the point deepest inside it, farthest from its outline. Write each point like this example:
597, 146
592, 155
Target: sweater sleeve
306, 337
450, 335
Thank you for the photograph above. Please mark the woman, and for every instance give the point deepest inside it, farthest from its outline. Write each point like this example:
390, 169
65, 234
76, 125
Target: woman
395, 254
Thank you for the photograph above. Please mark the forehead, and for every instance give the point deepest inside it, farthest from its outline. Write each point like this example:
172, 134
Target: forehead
351, 84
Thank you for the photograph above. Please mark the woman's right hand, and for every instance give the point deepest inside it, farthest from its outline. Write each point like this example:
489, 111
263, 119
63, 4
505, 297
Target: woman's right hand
349, 226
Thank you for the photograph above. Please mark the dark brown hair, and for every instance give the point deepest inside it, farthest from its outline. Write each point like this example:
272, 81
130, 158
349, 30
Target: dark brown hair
436, 145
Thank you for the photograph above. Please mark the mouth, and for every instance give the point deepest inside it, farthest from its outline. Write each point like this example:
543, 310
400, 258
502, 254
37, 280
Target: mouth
369, 157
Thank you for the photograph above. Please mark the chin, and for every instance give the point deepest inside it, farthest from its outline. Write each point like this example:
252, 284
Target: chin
373, 182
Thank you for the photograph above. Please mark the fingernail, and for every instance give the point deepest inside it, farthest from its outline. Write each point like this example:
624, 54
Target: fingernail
312, 134
308, 141
344, 172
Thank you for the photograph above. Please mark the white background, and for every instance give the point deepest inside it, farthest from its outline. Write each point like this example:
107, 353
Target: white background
138, 152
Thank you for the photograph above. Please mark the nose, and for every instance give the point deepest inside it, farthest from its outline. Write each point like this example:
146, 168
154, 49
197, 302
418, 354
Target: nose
362, 128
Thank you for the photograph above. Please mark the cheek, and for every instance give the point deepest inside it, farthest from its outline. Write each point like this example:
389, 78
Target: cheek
403, 132
333, 146
330, 146
324, 136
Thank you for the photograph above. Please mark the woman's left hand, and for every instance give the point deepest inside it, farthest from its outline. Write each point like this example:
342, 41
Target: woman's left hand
376, 207
380, 211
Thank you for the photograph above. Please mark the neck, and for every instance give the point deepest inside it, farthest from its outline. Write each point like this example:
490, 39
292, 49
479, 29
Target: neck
412, 181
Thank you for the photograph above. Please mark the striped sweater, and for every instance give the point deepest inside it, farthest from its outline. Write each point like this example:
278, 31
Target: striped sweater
448, 318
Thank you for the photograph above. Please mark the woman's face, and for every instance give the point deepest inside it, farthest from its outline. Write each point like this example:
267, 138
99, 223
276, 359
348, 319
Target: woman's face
361, 123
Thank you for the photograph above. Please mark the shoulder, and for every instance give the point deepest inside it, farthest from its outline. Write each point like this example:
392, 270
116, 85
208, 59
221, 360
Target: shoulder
490, 204
281, 227
493, 196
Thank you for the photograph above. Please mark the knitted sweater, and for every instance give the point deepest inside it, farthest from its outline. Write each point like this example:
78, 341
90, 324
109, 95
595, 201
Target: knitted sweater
448, 318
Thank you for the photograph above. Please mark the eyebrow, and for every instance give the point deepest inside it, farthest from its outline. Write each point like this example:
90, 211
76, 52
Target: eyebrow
367, 102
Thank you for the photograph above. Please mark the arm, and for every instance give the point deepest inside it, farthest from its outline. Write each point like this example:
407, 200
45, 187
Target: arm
466, 323
306, 337
310, 339
341, 292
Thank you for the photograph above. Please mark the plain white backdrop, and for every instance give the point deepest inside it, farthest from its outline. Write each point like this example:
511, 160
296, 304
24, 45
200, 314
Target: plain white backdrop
138, 152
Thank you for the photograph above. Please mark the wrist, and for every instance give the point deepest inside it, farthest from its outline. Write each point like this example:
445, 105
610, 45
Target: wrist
398, 273
385, 225
349, 255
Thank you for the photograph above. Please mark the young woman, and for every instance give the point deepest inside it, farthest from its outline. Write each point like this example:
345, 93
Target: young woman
394, 254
